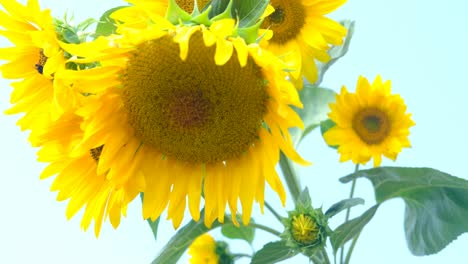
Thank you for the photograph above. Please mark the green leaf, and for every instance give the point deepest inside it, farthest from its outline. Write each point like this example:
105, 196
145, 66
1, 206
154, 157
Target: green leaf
273, 252
154, 227
174, 249
246, 233
106, 25
325, 126
436, 204
343, 205
336, 52
350, 229
315, 100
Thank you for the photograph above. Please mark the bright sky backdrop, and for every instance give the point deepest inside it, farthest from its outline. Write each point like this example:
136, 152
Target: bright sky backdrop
418, 44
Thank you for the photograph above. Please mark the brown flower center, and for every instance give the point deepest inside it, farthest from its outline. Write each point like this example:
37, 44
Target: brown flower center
372, 125
286, 21
193, 110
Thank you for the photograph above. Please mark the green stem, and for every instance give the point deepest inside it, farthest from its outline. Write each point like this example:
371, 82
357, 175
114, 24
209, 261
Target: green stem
351, 248
266, 229
325, 255
290, 177
272, 210
348, 211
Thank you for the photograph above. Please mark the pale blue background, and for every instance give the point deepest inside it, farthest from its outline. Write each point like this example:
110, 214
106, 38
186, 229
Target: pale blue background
420, 45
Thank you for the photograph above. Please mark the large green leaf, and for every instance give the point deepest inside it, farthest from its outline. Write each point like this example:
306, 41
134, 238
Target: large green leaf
436, 204
246, 233
343, 205
351, 229
315, 100
273, 252
336, 52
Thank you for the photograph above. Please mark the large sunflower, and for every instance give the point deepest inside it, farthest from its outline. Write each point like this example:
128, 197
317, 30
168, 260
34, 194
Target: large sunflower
369, 123
77, 178
302, 34
194, 110
34, 59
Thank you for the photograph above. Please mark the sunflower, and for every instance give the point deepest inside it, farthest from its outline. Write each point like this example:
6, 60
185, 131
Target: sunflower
302, 34
77, 178
35, 58
205, 250
369, 123
193, 109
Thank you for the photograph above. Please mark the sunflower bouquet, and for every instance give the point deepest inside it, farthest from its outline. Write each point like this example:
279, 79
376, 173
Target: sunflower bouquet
192, 106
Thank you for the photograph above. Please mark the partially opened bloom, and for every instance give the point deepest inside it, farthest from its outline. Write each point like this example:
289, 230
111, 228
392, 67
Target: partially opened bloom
34, 59
369, 123
193, 109
302, 34
205, 250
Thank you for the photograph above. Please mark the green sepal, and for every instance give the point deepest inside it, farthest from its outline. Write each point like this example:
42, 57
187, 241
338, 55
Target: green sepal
175, 14
153, 224
227, 13
204, 17
436, 204
250, 34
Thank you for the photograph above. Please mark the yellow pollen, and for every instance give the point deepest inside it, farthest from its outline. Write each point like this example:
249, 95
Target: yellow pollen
96, 153
41, 62
188, 5
287, 21
372, 125
304, 229
194, 110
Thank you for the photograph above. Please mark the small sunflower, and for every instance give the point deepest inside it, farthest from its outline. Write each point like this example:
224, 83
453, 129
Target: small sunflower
35, 58
205, 250
192, 109
77, 178
369, 123
302, 34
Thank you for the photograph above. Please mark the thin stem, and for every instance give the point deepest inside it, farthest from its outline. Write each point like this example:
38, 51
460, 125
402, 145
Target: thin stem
351, 248
272, 210
266, 229
290, 177
348, 211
